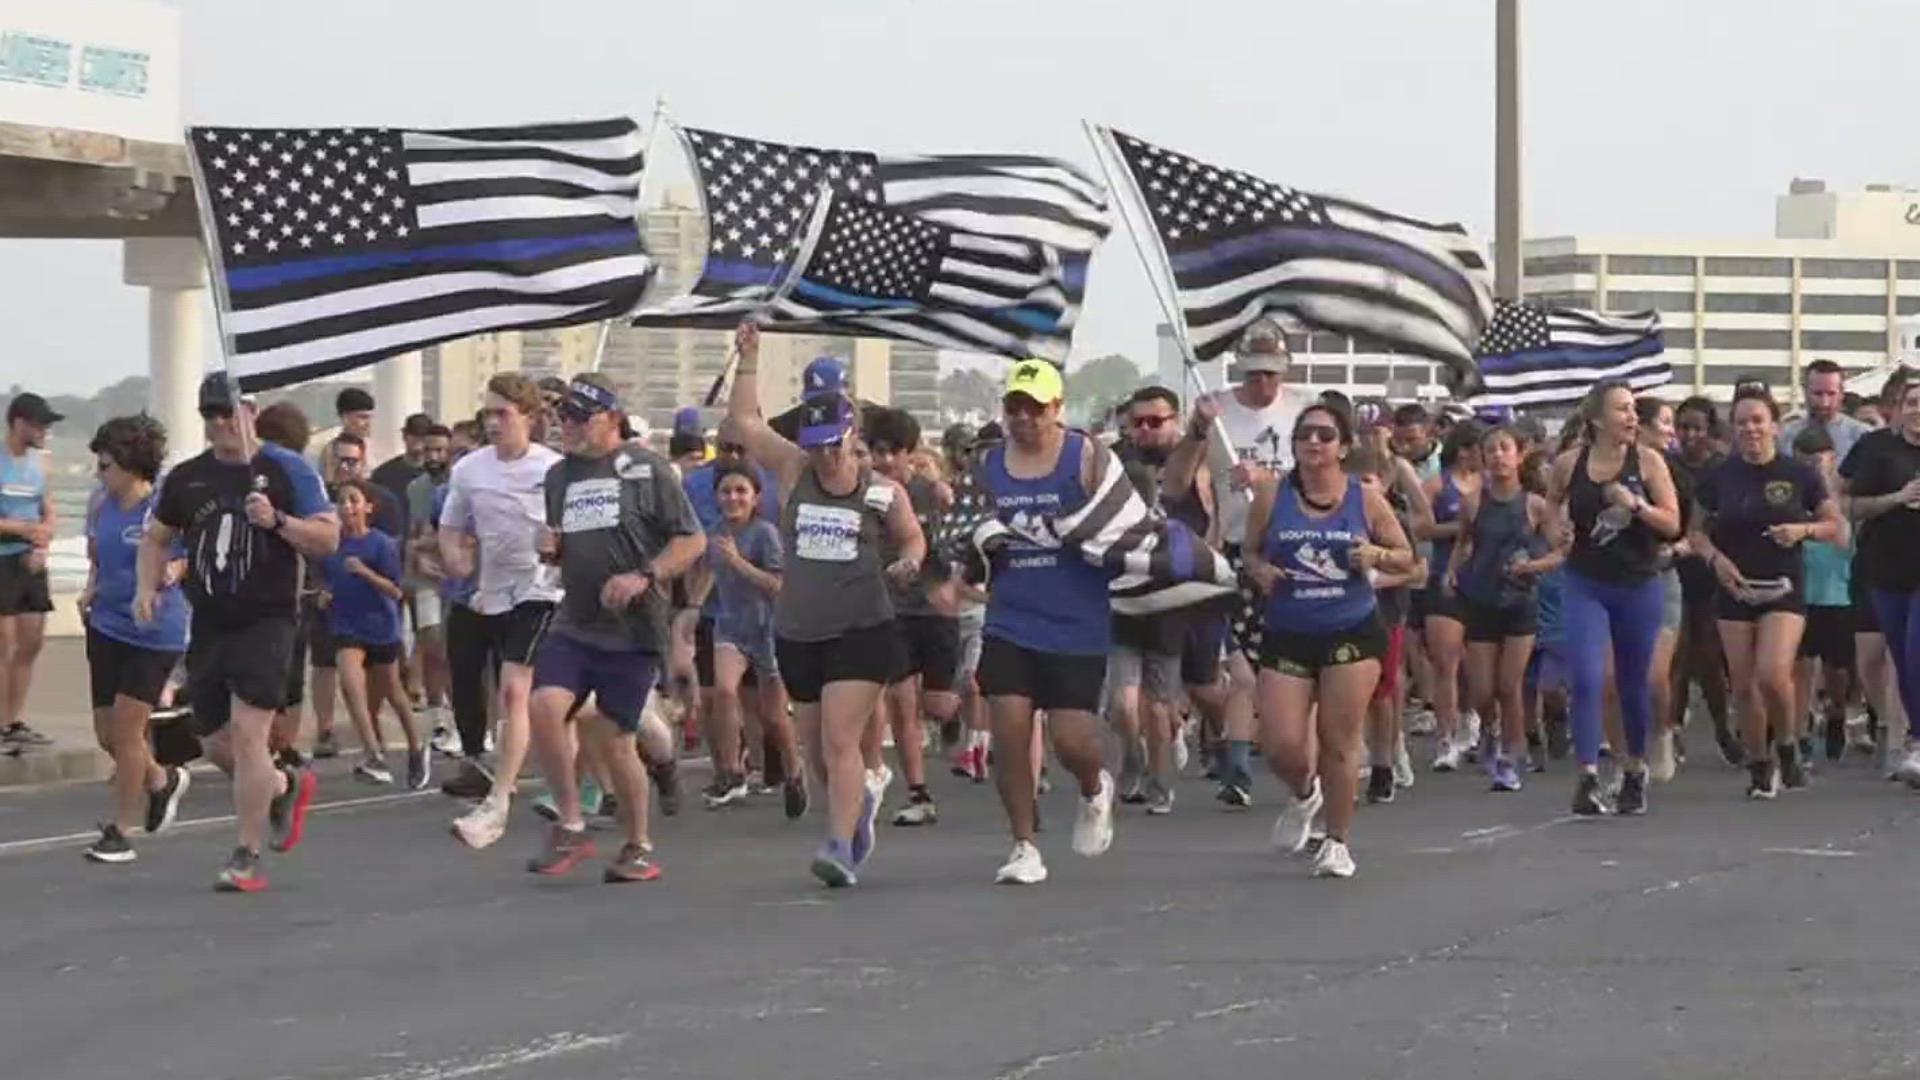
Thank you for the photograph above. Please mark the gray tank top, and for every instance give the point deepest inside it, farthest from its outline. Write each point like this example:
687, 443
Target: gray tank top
833, 582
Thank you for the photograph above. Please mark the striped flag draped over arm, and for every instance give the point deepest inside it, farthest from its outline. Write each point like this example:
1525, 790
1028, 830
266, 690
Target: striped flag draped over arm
1535, 355
337, 247
1240, 247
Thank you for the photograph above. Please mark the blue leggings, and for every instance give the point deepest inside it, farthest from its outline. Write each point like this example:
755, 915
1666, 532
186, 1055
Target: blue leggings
1626, 618
1899, 615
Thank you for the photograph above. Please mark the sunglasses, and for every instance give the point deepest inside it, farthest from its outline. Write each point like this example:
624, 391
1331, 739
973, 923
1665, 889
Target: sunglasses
1319, 433
217, 412
1154, 423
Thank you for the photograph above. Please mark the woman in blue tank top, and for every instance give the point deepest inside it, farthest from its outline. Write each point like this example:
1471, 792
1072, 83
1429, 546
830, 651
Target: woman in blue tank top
1443, 634
1620, 498
1311, 541
1501, 553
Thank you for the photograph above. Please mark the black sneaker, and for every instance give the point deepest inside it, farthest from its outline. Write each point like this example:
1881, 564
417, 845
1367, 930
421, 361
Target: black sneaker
796, 796
18, 734
1731, 751
164, 805
112, 847
1632, 799
1836, 737
472, 782
1793, 769
1236, 793
666, 781
1589, 798
1762, 781
1380, 784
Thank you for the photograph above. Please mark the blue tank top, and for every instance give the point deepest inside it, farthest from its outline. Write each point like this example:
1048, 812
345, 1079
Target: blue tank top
1501, 534
23, 493
1321, 593
1446, 509
1042, 597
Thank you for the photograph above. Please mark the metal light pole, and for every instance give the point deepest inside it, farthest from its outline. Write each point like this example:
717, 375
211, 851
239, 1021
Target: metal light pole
1506, 150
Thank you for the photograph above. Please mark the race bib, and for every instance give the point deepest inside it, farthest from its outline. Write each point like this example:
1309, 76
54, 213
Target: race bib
826, 533
590, 505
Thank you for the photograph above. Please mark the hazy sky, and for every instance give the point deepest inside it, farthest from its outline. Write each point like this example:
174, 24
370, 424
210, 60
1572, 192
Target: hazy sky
1666, 117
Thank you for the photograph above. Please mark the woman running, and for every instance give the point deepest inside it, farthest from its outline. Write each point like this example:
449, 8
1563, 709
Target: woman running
363, 617
1620, 498
834, 618
1698, 658
1443, 632
1657, 433
128, 661
1501, 553
1883, 489
1757, 508
1312, 540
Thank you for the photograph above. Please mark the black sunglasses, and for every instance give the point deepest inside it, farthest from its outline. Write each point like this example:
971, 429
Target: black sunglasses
1320, 433
216, 412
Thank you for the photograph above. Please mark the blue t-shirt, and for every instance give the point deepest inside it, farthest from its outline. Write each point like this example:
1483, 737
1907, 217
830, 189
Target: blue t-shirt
359, 611
742, 611
23, 494
457, 590
115, 534
1829, 573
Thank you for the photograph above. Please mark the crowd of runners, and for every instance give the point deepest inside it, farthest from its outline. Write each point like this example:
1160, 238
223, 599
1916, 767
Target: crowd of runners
538, 586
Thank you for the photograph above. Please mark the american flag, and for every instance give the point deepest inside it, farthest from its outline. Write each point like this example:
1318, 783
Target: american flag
923, 281
1535, 355
759, 197
1240, 247
337, 247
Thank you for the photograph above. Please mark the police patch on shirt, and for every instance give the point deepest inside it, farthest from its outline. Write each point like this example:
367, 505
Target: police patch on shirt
1779, 492
590, 505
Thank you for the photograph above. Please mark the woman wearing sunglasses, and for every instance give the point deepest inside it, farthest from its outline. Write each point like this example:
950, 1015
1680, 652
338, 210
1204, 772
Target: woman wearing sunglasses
1314, 540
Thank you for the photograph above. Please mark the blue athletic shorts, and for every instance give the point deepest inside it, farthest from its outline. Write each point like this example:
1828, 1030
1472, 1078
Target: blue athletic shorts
618, 679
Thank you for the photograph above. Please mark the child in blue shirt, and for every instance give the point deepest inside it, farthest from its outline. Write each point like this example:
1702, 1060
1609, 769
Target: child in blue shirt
363, 613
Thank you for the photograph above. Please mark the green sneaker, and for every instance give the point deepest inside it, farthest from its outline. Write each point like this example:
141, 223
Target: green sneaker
590, 798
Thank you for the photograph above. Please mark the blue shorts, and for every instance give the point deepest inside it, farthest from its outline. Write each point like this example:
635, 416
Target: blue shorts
618, 679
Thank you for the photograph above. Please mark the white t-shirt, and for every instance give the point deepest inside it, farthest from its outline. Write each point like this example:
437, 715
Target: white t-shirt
1261, 436
504, 502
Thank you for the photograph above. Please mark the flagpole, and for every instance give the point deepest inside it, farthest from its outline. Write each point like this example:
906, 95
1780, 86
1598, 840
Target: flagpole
210, 244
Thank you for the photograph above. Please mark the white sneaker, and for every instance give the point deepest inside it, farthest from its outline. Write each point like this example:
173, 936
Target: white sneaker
1023, 867
1296, 820
1908, 770
1469, 728
878, 781
1448, 759
1182, 753
1333, 861
446, 742
1093, 826
1402, 766
1660, 761
1421, 722
482, 825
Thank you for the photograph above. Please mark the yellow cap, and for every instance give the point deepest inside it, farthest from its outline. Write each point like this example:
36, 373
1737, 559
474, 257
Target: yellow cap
1038, 379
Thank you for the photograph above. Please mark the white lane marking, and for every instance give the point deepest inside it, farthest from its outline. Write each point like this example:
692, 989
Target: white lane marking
1819, 853
65, 839
542, 1049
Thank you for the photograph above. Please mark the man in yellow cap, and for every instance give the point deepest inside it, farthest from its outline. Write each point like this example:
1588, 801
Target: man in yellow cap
1047, 629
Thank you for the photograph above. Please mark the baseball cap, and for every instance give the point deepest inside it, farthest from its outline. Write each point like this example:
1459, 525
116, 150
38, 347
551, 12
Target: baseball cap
825, 419
33, 409
219, 391
1037, 379
824, 375
587, 395
1262, 347
686, 420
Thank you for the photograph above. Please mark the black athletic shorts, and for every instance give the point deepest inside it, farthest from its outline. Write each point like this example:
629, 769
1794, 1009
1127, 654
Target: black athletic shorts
23, 591
116, 668
1305, 655
1434, 602
514, 635
929, 648
1829, 636
1727, 609
1487, 624
248, 662
377, 654
1201, 651
316, 635
1049, 680
1865, 619
703, 657
870, 654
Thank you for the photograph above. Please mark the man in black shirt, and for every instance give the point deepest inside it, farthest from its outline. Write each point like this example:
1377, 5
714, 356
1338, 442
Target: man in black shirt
245, 514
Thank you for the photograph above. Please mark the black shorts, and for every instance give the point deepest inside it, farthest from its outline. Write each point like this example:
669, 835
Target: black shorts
247, 662
618, 680
703, 657
1489, 624
1865, 619
1727, 609
870, 654
514, 635
1200, 651
929, 648
1829, 636
1053, 681
1304, 656
1433, 602
316, 636
376, 654
23, 591
116, 668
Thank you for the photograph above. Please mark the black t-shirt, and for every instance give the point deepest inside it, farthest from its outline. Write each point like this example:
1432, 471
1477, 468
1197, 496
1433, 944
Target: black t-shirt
393, 476
1696, 577
237, 573
1879, 464
1742, 499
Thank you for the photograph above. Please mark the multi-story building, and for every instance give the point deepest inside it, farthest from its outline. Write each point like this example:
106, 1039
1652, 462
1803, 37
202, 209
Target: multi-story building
456, 373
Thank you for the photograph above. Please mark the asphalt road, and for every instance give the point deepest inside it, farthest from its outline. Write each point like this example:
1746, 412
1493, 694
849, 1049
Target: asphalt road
1486, 936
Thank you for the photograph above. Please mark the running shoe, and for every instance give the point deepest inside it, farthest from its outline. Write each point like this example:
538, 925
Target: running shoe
289, 758
21, 737
919, 810
631, 865
961, 764
1762, 781
1316, 839
1023, 867
1290, 829
1589, 797
757, 783
1793, 768
1402, 765
242, 873
1046, 782
1093, 826
1333, 860
1505, 777
287, 813
324, 748
1182, 753
112, 847
372, 771
1557, 741
1133, 778
1836, 736
1380, 784
726, 790
1236, 793
833, 865
164, 805
666, 782
1731, 752
1632, 799
483, 825
419, 768
880, 779
1448, 759
977, 763
1421, 722
864, 836
1861, 741
1660, 758
796, 797
564, 849
1908, 769
1469, 728
472, 782
1159, 798
445, 741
